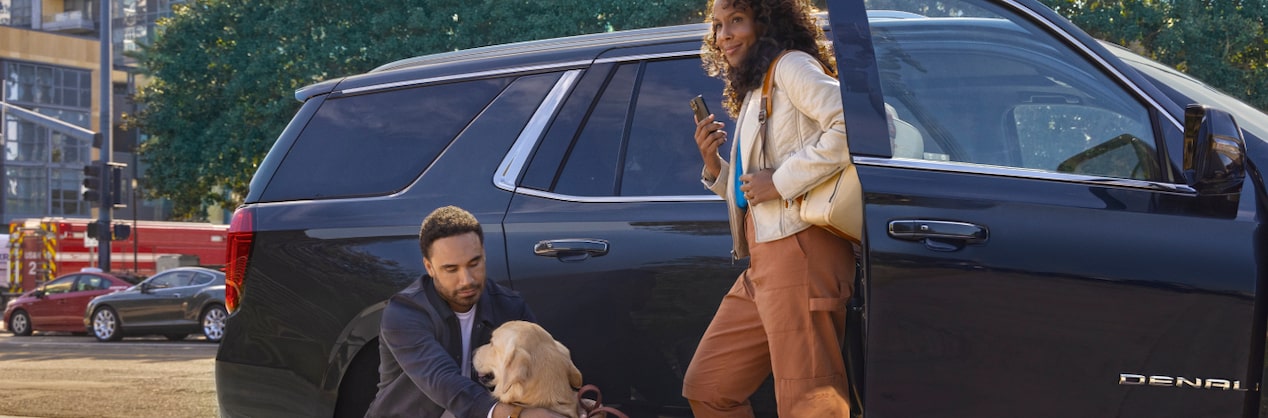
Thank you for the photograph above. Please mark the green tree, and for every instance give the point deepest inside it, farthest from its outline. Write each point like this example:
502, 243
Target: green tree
1221, 42
222, 73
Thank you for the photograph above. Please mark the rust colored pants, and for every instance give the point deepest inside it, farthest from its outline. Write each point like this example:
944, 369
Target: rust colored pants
784, 315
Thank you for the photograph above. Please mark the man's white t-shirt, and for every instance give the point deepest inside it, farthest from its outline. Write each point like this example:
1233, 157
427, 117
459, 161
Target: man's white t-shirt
466, 320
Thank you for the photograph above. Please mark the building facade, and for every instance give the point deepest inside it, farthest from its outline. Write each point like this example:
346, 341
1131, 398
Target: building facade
49, 64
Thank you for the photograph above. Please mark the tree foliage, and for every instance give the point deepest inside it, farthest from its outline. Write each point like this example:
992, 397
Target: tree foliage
223, 72
1221, 42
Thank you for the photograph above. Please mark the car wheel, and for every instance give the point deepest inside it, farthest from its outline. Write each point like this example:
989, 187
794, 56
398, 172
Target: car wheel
105, 325
214, 322
175, 337
20, 323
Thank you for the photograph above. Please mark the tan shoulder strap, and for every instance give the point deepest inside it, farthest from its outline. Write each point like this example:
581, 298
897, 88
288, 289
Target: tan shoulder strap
767, 83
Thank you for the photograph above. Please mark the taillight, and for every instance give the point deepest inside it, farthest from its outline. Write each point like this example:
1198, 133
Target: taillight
241, 234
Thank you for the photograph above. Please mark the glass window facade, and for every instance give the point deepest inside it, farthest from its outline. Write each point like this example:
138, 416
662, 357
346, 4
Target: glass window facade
15, 13
134, 24
43, 168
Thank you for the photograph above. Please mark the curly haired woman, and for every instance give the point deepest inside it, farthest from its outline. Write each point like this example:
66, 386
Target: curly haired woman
785, 313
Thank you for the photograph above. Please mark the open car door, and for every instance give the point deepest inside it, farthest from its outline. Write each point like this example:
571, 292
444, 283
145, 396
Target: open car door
1033, 246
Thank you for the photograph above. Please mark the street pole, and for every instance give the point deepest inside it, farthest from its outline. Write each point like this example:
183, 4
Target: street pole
104, 227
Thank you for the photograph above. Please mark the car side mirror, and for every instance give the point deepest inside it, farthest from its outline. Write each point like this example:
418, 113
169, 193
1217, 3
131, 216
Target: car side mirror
1214, 151
145, 287
38, 294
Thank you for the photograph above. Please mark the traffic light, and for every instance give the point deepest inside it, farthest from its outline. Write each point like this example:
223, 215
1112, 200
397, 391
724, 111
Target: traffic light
116, 185
93, 183
94, 230
121, 232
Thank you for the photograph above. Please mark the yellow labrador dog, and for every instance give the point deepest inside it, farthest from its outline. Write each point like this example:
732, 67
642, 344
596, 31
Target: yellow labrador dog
528, 367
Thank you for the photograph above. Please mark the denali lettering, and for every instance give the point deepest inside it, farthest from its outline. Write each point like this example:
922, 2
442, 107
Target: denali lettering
1128, 379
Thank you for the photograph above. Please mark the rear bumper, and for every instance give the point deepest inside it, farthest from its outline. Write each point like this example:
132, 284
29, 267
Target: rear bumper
254, 391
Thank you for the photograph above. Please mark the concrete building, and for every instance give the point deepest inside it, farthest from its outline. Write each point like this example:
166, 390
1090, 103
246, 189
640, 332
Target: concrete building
49, 63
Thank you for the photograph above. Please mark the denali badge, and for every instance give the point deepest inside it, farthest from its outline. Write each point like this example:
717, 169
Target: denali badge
1127, 379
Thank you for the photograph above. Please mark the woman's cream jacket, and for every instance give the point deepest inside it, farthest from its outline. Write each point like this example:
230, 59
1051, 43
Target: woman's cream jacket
805, 144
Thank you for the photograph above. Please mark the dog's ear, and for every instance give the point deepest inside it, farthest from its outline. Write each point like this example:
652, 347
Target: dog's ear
517, 370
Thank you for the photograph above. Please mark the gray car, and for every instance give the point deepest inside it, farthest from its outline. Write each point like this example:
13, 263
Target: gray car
174, 303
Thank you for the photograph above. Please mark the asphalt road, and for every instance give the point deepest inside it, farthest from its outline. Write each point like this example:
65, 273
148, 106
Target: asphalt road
61, 375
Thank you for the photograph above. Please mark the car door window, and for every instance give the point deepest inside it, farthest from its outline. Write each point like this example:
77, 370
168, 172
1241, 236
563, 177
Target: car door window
636, 140
173, 279
61, 285
86, 283
661, 158
591, 168
202, 279
984, 89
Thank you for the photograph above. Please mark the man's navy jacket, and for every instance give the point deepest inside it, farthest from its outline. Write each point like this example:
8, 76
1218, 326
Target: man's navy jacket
420, 348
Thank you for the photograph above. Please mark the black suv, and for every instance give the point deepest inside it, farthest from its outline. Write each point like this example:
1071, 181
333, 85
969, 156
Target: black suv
1046, 223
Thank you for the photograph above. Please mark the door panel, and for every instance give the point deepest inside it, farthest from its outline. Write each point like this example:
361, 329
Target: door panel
160, 305
632, 318
618, 173
50, 312
1028, 244
1061, 298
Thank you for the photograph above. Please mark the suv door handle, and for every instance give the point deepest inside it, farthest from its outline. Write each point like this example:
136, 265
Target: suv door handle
571, 249
939, 235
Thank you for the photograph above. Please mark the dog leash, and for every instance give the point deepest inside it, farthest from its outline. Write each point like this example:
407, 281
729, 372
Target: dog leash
597, 409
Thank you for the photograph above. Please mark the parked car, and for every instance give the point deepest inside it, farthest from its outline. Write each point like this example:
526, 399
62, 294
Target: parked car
1057, 226
173, 303
59, 304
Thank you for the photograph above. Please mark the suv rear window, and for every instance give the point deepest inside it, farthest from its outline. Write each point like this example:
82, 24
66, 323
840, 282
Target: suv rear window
377, 143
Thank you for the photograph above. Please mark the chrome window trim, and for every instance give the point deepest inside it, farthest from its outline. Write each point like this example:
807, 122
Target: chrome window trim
643, 57
1071, 40
617, 199
1023, 173
513, 163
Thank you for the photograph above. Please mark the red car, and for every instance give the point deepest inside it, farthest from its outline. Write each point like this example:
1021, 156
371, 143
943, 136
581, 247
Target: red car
59, 305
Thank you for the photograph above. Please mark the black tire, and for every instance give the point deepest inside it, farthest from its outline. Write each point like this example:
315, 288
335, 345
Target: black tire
105, 324
20, 323
213, 322
360, 382
175, 337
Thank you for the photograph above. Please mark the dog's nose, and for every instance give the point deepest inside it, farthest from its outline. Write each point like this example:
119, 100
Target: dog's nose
487, 380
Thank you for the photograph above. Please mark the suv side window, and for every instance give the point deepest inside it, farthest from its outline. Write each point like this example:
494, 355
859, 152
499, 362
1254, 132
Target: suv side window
636, 139
1006, 93
378, 142
662, 158
591, 168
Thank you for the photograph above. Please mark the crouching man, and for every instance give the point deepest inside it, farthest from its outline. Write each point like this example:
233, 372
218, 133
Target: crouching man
431, 328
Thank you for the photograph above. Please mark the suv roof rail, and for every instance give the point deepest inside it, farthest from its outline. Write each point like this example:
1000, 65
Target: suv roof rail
530, 47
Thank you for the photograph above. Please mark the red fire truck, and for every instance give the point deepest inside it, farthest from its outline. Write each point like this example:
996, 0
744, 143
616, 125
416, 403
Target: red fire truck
41, 249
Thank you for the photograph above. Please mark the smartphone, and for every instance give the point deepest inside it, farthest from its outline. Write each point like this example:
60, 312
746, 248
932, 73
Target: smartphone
697, 105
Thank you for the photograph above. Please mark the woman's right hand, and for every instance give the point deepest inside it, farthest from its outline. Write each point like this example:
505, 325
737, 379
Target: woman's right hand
709, 137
